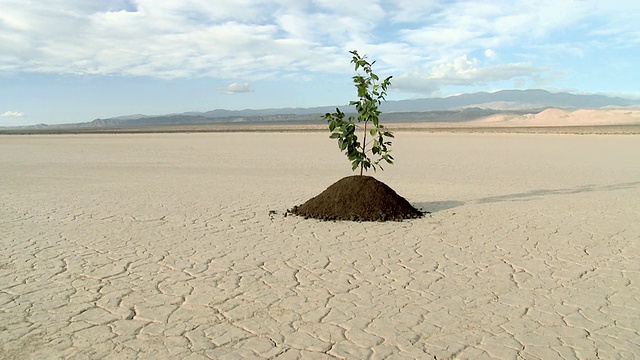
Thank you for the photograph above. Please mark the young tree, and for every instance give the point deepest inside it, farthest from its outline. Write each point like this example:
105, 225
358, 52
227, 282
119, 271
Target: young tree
371, 93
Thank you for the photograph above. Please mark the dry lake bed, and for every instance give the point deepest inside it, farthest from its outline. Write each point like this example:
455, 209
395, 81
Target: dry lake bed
175, 246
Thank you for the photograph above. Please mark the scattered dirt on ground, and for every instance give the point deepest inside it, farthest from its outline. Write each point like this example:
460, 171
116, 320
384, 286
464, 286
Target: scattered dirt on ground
358, 198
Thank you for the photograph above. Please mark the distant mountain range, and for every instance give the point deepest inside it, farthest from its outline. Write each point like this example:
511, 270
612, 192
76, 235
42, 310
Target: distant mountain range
511, 100
449, 109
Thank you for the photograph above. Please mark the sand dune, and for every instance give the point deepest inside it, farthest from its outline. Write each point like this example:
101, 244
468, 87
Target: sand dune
558, 117
174, 246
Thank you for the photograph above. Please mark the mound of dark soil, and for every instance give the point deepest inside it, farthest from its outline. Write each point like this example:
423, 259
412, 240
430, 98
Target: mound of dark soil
358, 198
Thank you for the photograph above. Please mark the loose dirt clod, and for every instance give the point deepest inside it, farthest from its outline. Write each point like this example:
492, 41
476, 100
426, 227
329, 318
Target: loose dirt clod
358, 198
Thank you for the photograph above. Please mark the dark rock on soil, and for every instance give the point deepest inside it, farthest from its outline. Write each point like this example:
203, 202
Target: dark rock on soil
358, 198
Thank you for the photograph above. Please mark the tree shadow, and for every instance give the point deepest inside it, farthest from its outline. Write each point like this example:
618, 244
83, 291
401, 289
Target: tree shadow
435, 206
534, 194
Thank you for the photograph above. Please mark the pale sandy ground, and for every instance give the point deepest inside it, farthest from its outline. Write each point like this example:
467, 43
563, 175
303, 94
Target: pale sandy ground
551, 120
559, 117
161, 246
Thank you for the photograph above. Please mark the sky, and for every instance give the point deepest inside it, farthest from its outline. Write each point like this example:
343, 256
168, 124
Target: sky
66, 61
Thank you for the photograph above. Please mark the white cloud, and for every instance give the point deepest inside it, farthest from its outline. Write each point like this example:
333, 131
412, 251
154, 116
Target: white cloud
256, 39
408, 11
236, 88
463, 71
459, 27
12, 114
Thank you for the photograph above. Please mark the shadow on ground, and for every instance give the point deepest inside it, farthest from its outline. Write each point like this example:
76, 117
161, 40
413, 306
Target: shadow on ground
531, 195
435, 206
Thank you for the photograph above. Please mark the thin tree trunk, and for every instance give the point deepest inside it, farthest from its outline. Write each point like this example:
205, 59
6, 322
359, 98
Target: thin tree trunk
364, 146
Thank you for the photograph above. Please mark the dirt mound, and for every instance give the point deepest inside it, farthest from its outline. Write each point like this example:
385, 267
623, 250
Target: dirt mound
358, 198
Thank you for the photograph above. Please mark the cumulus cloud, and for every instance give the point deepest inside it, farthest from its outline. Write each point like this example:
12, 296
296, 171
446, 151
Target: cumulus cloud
12, 114
463, 71
464, 24
177, 39
236, 88
258, 39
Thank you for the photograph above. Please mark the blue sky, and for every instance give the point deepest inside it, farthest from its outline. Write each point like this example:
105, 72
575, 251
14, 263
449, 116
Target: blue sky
77, 60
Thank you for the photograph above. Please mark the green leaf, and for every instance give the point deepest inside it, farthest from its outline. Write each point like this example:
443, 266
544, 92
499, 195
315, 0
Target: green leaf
371, 92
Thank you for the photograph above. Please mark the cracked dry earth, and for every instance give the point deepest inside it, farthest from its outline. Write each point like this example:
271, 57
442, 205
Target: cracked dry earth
167, 246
